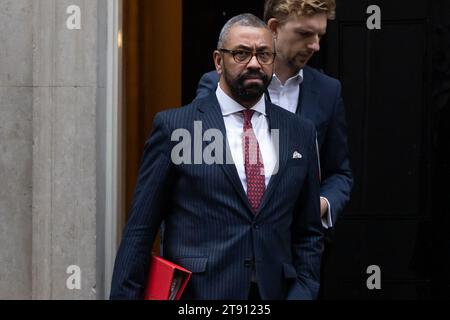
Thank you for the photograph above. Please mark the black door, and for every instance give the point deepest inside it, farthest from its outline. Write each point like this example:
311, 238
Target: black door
395, 103
396, 89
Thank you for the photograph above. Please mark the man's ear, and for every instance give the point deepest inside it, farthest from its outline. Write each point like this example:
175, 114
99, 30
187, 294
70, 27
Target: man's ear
273, 25
218, 59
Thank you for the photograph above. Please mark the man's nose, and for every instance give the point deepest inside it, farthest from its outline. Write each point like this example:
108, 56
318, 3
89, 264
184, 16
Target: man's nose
315, 44
254, 63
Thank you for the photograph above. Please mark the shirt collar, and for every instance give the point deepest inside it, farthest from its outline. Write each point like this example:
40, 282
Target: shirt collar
295, 80
229, 106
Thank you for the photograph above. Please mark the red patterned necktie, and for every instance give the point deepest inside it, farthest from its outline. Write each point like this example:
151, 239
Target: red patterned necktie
253, 163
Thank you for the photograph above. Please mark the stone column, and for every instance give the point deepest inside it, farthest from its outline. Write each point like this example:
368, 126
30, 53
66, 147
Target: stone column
65, 87
53, 106
16, 113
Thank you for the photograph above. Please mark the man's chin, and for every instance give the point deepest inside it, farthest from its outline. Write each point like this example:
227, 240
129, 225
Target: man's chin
255, 89
251, 94
299, 62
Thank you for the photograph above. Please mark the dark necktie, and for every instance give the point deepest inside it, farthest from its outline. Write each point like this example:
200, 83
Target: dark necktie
253, 163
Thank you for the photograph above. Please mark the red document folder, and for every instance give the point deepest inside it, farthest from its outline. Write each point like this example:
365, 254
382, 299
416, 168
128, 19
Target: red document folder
166, 280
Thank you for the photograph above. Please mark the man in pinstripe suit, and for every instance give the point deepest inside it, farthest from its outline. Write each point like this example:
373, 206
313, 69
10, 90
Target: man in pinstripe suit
246, 228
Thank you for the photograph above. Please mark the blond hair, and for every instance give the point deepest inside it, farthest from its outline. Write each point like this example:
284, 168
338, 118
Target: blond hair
283, 9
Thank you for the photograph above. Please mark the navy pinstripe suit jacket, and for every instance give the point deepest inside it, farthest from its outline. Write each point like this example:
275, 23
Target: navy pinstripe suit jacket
209, 226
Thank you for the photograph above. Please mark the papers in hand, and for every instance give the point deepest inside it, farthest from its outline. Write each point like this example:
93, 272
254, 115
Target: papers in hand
177, 281
166, 280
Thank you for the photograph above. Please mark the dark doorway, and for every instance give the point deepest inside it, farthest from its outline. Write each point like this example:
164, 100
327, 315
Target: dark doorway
202, 22
152, 76
396, 89
395, 219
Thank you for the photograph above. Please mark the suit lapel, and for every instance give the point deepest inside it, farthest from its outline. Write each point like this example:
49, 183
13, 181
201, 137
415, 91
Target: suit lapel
276, 126
307, 104
309, 97
212, 119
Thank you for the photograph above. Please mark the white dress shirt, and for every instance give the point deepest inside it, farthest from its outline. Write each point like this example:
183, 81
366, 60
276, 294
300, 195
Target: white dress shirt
286, 96
234, 125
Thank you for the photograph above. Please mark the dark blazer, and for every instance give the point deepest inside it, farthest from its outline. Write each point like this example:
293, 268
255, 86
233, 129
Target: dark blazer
321, 103
209, 225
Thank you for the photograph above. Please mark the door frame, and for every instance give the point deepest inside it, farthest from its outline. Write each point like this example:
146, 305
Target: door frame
114, 162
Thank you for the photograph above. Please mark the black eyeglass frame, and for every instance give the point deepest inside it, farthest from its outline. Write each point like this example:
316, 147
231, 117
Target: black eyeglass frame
250, 57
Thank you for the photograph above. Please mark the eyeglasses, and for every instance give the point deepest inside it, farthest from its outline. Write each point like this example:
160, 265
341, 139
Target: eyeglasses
244, 56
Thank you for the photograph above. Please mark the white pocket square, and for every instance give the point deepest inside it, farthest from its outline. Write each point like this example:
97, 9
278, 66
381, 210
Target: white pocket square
297, 155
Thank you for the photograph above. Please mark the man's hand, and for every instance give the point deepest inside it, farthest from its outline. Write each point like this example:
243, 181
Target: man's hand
323, 207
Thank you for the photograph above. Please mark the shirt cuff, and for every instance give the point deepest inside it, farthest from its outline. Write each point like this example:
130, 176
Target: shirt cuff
327, 222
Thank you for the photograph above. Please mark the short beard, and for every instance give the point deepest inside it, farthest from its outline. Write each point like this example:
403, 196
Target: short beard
247, 93
297, 64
